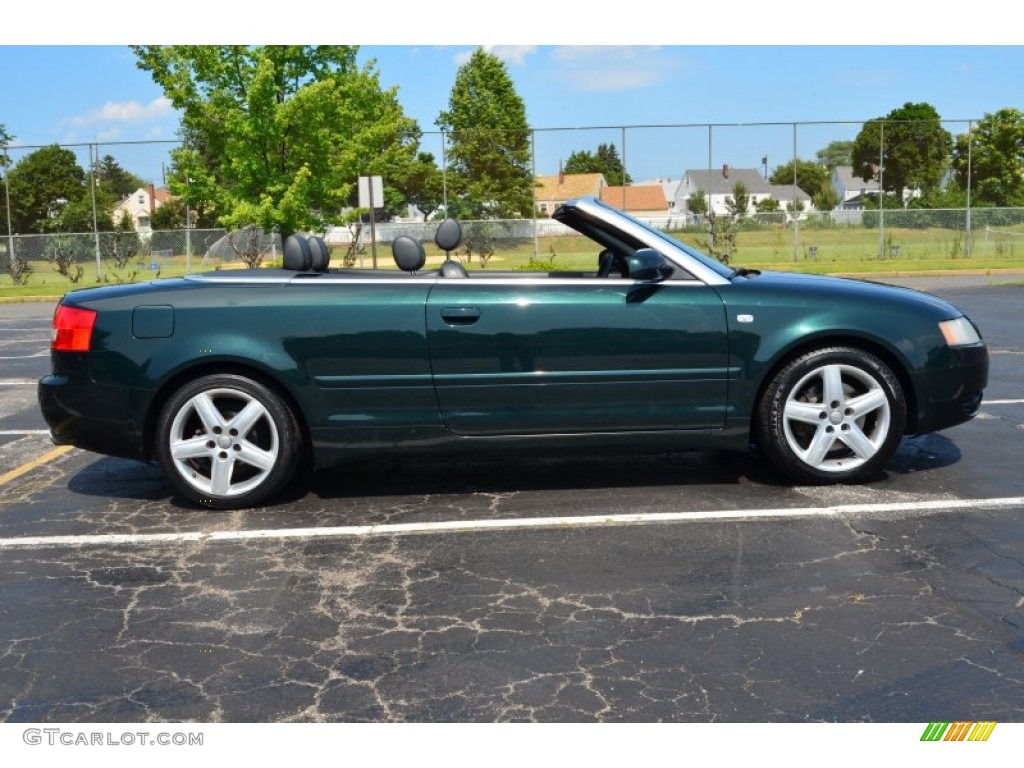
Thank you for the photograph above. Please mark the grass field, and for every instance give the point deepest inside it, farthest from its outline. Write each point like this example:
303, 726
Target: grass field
824, 251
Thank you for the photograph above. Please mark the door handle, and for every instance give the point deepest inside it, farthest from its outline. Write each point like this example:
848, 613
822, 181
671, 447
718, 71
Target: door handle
460, 315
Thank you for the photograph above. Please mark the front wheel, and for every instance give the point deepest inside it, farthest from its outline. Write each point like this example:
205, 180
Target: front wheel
832, 415
226, 441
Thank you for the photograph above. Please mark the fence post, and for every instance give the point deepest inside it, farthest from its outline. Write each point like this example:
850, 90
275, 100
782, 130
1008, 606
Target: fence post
796, 213
533, 171
92, 188
7, 195
881, 190
970, 140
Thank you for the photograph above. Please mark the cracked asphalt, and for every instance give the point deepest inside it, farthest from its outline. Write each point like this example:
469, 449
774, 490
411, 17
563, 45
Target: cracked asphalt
880, 609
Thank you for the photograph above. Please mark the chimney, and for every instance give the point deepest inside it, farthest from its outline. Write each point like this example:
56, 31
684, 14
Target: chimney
725, 171
151, 191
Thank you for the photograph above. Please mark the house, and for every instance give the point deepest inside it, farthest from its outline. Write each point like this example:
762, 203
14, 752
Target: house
784, 193
852, 190
717, 186
637, 200
552, 191
669, 187
140, 206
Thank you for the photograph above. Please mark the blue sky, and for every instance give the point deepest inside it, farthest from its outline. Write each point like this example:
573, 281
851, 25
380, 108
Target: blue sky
67, 92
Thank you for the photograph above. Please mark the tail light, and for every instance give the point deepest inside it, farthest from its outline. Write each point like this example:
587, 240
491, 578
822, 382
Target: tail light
72, 329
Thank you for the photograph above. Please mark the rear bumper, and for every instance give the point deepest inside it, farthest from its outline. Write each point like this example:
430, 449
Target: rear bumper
90, 416
953, 394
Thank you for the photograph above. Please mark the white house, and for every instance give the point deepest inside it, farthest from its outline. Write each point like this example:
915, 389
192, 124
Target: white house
140, 206
852, 190
718, 185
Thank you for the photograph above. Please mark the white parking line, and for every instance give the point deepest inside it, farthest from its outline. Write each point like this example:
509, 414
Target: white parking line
1001, 402
17, 382
468, 526
23, 432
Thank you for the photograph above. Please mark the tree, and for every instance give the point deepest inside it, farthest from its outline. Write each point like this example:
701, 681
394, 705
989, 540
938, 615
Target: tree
605, 160
277, 136
116, 179
836, 153
489, 168
697, 202
422, 185
996, 158
810, 177
43, 184
912, 149
738, 204
826, 199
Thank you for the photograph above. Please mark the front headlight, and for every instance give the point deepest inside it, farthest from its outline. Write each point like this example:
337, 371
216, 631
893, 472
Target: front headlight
959, 332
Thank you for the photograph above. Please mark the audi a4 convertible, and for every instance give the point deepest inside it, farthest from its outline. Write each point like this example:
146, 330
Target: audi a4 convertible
233, 379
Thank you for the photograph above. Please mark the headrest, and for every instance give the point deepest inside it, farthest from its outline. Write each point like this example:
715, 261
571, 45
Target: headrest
408, 252
321, 254
297, 254
448, 235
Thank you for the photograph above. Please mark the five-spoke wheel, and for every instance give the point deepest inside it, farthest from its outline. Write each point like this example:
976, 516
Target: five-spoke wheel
227, 441
832, 415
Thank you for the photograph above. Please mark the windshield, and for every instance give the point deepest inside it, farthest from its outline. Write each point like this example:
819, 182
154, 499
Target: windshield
704, 259
567, 217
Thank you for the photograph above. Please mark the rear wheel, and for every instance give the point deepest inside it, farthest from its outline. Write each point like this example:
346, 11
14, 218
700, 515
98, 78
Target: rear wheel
226, 441
832, 415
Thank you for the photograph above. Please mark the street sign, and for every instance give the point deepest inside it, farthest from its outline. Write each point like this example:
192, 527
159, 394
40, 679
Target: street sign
371, 191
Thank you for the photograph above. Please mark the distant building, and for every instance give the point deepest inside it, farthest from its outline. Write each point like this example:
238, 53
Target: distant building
140, 206
718, 184
668, 186
638, 200
552, 191
852, 190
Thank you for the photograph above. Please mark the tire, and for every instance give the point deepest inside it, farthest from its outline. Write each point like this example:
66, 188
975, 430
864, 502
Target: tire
227, 442
833, 415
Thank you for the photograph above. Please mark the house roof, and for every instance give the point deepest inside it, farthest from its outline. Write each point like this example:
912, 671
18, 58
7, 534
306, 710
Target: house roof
639, 197
844, 175
669, 185
785, 192
567, 186
714, 183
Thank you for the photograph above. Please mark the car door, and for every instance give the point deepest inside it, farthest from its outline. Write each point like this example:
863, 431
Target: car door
548, 354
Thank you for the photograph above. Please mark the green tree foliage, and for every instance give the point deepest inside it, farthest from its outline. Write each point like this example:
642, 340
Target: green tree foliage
697, 203
277, 136
811, 177
836, 153
119, 182
605, 160
826, 199
996, 158
489, 171
915, 151
49, 193
738, 204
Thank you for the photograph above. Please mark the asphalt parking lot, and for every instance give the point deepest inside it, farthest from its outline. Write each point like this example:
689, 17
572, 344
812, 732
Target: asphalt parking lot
684, 587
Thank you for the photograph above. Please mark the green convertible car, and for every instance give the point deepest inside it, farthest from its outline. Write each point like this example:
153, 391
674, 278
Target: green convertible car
233, 379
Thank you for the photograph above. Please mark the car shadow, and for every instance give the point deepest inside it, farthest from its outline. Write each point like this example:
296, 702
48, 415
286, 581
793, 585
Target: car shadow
132, 480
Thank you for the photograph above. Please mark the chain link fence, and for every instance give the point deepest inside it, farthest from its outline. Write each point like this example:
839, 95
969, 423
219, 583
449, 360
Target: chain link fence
859, 228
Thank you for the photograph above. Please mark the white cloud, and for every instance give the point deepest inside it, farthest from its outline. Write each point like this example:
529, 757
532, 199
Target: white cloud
613, 67
126, 112
510, 54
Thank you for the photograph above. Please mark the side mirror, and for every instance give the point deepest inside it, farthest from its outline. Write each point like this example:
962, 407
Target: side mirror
649, 265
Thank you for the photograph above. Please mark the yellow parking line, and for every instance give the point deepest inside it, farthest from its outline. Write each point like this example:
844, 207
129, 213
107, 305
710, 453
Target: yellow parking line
28, 466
